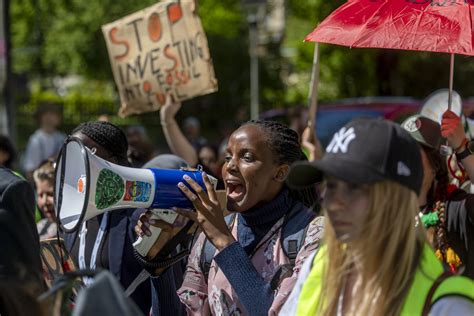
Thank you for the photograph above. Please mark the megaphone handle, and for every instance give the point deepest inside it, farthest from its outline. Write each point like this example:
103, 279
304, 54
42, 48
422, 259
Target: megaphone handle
144, 243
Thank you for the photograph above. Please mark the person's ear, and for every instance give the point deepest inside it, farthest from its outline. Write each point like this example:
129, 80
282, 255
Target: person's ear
281, 173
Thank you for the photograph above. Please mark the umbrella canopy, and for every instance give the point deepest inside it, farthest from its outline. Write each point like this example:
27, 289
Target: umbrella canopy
424, 25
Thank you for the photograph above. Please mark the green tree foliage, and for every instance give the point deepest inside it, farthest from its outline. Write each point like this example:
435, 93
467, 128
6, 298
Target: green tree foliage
58, 38
64, 37
366, 72
343, 72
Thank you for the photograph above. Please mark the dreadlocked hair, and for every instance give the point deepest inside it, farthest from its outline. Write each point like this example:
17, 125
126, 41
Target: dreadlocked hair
437, 196
107, 135
285, 145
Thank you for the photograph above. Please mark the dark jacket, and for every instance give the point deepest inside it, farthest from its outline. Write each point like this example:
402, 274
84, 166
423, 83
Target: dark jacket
121, 260
460, 228
19, 242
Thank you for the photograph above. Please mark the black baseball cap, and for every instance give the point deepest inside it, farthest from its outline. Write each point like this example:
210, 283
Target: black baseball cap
365, 151
424, 130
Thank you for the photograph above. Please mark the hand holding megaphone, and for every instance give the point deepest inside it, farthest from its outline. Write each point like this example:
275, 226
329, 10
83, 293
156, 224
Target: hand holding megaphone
209, 213
155, 228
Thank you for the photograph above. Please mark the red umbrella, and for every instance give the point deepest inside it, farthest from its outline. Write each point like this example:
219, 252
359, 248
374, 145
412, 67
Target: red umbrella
435, 26
424, 25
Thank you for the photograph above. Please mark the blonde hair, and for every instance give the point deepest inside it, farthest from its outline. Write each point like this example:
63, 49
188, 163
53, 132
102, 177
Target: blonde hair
45, 172
384, 257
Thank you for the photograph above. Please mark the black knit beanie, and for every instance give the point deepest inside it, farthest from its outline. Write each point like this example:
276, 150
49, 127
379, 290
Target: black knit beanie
107, 135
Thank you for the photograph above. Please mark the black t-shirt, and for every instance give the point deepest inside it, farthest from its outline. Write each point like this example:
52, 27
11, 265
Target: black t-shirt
460, 228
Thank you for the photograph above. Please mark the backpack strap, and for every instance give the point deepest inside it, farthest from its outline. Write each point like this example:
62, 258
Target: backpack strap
294, 231
207, 254
434, 287
293, 235
208, 250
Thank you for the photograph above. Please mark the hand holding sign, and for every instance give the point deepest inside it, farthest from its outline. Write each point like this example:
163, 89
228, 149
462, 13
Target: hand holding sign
168, 111
158, 51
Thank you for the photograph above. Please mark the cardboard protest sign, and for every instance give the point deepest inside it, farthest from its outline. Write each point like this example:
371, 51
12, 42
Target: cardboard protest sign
52, 256
158, 51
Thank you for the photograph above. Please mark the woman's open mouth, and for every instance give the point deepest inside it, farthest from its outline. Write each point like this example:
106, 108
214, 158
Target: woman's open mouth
235, 190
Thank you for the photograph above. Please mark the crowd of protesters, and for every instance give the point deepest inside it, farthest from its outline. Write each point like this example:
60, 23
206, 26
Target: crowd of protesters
379, 223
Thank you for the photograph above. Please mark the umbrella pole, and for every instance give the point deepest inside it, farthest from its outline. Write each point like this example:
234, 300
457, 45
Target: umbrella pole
313, 89
451, 75
445, 150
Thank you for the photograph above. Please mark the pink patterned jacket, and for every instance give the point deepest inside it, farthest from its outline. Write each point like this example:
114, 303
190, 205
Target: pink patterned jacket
216, 296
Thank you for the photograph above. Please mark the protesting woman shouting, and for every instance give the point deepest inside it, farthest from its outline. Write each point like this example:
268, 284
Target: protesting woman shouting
376, 260
251, 267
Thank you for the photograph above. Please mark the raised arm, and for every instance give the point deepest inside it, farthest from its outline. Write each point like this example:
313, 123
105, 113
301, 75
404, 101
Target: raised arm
310, 143
177, 142
453, 131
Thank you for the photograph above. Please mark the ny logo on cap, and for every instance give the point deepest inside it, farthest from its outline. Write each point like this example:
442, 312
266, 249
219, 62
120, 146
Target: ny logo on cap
403, 170
341, 140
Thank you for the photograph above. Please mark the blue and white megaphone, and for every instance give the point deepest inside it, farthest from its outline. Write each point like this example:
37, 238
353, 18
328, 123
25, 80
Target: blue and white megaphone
87, 185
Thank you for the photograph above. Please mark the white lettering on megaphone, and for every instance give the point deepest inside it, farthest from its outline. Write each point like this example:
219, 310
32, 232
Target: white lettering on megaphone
403, 170
341, 140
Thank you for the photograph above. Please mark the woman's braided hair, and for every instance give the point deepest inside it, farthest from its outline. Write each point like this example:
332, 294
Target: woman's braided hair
107, 135
285, 145
438, 196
